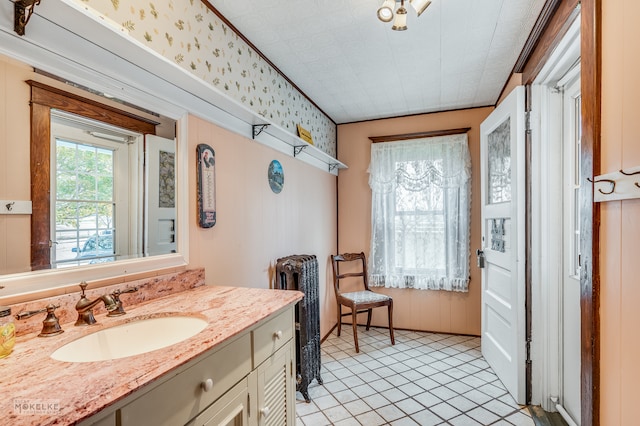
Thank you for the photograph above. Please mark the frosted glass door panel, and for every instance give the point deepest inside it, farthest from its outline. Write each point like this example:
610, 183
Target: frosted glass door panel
499, 163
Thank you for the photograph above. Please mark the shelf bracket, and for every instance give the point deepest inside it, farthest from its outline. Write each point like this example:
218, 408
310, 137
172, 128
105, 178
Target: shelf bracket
22, 11
333, 166
258, 128
297, 149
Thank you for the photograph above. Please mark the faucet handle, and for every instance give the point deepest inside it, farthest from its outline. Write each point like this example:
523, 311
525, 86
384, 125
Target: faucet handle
83, 286
116, 297
50, 325
129, 290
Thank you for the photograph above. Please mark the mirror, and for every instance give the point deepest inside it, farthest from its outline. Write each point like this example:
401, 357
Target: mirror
103, 210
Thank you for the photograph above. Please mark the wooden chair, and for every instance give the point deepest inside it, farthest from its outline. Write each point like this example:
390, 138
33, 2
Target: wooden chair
361, 300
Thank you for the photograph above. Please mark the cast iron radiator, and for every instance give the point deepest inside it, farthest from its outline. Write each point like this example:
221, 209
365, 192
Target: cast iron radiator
300, 272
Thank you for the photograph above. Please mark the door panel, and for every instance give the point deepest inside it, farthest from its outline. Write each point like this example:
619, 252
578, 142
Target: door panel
503, 238
499, 285
160, 186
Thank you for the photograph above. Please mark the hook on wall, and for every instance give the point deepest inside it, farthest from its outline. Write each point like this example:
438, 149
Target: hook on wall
631, 174
611, 181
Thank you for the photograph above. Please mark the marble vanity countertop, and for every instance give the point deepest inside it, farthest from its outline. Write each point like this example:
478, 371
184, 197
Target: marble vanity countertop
37, 390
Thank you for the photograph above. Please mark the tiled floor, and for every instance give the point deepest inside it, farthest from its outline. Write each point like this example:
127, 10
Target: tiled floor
425, 379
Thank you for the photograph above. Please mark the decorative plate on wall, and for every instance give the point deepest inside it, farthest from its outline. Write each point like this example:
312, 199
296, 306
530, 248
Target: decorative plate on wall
276, 176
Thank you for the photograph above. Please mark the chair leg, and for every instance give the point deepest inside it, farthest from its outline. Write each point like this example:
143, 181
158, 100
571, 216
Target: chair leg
393, 339
369, 318
354, 313
339, 318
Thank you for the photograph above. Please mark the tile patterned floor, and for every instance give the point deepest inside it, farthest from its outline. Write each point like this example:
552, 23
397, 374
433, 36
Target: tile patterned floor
425, 379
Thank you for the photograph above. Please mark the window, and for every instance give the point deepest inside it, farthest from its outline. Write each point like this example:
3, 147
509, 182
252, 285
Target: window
90, 183
421, 192
84, 202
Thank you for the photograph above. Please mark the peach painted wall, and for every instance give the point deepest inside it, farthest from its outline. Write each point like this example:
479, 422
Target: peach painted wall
255, 226
620, 225
439, 311
15, 130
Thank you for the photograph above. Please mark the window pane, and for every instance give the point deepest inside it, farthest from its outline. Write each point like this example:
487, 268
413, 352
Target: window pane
84, 206
104, 161
420, 242
86, 186
499, 164
66, 215
104, 188
66, 156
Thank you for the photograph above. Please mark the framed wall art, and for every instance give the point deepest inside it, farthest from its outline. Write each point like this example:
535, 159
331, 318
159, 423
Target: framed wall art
206, 185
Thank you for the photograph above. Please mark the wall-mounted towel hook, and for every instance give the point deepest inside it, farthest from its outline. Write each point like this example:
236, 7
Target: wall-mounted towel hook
631, 174
611, 181
9, 206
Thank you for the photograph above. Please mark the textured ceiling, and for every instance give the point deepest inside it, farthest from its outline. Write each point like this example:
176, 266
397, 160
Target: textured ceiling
458, 54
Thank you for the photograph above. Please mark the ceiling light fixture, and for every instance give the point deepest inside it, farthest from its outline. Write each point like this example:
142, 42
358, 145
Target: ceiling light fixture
386, 12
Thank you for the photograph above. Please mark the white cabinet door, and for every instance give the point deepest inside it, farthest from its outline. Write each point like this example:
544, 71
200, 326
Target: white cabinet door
276, 389
503, 242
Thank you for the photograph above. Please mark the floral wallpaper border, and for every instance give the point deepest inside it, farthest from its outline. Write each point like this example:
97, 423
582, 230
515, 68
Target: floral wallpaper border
190, 34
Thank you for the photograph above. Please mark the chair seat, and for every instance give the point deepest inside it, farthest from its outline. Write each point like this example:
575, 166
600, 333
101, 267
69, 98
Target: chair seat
365, 297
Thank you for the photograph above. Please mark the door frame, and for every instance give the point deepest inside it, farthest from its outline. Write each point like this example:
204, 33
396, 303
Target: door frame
542, 41
546, 218
591, 77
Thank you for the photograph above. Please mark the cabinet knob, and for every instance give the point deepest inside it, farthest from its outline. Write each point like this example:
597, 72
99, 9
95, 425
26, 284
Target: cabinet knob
207, 385
278, 334
265, 411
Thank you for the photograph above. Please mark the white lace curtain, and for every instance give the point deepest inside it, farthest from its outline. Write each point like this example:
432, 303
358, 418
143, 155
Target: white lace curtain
420, 215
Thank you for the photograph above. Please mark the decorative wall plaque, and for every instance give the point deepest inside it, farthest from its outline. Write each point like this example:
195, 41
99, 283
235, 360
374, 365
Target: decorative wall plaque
206, 186
305, 135
276, 176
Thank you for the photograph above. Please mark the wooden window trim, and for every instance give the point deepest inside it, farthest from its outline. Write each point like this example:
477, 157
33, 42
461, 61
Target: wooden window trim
419, 135
53, 97
43, 99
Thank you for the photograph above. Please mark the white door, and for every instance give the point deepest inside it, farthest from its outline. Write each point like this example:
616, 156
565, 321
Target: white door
503, 242
160, 189
570, 308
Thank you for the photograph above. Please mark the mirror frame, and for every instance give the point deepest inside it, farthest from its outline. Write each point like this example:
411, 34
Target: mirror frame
75, 47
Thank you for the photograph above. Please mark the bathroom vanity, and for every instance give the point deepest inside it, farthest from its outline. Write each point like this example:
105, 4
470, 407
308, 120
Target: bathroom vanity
239, 370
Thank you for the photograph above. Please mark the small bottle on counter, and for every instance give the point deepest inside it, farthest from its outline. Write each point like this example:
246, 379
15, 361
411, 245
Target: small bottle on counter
7, 331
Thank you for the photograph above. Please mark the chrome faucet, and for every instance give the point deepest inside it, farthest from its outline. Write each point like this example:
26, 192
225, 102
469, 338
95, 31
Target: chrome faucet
85, 306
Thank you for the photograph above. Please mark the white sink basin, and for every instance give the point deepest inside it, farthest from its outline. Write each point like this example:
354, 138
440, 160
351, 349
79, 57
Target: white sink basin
132, 338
